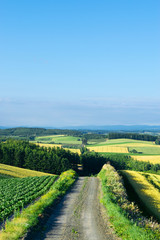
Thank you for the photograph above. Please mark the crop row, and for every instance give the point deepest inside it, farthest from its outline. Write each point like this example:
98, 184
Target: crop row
15, 193
22, 222
147, 187
153, 179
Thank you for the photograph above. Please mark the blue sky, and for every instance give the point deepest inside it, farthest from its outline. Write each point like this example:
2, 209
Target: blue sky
70, 63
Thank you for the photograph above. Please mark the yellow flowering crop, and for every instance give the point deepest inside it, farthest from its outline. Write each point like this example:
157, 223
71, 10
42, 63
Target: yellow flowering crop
146, 191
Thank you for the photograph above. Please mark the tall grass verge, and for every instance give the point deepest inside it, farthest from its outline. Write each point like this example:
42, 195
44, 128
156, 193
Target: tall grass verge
29, 217
124, 216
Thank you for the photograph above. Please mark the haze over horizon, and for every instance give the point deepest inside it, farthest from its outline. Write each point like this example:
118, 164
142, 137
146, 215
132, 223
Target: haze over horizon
69, 63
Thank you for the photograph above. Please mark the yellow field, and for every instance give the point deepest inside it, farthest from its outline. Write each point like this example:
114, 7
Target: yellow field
109, 149
19, 172
48, 145
138, 145
153, 178
149, 195
152, 159
73, 150
58, 145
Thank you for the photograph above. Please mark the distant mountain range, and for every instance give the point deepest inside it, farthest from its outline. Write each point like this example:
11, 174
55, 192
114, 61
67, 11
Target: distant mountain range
107, 128
118, 128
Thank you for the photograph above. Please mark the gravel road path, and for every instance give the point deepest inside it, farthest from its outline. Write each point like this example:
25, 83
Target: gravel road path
78, 216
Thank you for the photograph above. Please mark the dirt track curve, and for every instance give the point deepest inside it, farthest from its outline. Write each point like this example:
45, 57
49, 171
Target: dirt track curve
77, 216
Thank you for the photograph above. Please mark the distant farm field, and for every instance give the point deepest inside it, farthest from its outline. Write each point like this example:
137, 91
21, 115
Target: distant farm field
129, 146
74, 150
48, 145
48, 138
147, 186
154, 159
150, 150
137, 148
109, 149
123, 141
59, 139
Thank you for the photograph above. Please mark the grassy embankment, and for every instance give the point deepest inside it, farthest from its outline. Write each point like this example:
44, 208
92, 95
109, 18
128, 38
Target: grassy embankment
29, 217
124, 216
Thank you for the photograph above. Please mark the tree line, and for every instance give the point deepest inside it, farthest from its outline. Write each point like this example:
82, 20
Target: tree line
126, 162
135, 136
23, 154
93, 162
31, 133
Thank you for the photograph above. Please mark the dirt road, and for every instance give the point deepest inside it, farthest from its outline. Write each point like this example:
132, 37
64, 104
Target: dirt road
78, 215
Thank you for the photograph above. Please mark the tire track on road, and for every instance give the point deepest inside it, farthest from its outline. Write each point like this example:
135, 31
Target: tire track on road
78, 216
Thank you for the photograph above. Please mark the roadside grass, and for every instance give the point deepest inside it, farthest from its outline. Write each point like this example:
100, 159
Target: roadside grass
20, 172
29, 217
125, 217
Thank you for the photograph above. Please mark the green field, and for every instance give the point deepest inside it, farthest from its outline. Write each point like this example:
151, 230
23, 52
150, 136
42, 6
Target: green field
148, 150
62, 139
15, 193
59, 139
19, 187
2, 177
131, 147
125, 142
21, 222
141, 147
